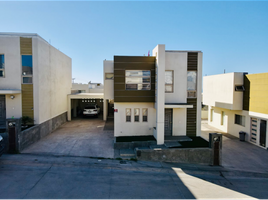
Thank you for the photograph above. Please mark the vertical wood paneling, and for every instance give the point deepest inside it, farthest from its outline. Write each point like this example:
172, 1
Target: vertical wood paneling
27, 100
25, 46
191, 117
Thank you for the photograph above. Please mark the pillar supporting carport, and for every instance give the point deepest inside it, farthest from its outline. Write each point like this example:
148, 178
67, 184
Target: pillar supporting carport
80, 96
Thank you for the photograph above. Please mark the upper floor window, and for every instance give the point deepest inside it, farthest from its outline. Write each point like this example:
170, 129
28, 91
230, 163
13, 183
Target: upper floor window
2, 66
169, 81
191, 84
109, 76
138, 80
27, 69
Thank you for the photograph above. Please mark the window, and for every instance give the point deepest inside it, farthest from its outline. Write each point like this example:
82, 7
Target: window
27, 69
240, 120
136, 115
138, 80
191, 84
169, 81
211, 115
109, 76
222, 117
144, 114
2, 66
128, 114
239, 88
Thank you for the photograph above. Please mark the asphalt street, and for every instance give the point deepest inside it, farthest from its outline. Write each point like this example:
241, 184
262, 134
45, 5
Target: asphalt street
47, 176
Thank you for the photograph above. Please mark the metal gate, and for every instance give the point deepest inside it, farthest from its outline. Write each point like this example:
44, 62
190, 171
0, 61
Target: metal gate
168, 122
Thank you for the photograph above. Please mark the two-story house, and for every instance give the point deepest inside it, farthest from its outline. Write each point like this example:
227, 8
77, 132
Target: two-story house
238, 102
158, 95
35, 78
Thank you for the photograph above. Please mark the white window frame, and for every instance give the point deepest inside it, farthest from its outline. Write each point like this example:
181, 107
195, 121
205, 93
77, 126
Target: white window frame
128, 115
133, 83
168, 84
145, 115
137, 115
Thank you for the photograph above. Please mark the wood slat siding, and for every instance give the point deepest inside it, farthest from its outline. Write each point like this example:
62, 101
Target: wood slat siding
246, 93
192, 60
123, 63
25, 46
27, 100
191, 118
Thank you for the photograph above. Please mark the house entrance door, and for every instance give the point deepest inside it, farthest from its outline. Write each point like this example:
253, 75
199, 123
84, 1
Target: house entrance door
263, 133
168, 122
2, 111
253, 131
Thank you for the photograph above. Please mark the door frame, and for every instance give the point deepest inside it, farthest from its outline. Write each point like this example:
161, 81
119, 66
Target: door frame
171, 130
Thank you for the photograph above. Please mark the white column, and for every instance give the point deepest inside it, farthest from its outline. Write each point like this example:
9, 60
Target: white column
199, 93
104, 109
69, 109
159, 52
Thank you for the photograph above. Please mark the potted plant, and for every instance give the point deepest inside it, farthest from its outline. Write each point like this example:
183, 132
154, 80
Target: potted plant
25, 120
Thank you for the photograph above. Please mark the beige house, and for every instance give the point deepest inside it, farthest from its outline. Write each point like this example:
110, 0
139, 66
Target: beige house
35, 78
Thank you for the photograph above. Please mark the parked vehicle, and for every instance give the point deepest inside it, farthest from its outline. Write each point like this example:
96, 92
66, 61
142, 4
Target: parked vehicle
91, 110
2, 146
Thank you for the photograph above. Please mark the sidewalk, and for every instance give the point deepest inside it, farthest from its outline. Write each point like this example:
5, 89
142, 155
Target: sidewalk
239, 155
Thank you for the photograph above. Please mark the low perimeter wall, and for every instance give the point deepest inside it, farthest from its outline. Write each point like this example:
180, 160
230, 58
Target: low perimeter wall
35, 133
180, 155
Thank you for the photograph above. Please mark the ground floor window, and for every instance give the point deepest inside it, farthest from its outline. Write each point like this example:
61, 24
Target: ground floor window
128, 114
144, 114
136, 114
240, 120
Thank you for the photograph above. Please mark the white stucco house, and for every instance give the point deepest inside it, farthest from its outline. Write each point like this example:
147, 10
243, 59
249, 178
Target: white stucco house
238, 102
35, 78
158, 95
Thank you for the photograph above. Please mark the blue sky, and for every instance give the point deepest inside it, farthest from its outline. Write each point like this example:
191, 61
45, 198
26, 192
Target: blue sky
232, 35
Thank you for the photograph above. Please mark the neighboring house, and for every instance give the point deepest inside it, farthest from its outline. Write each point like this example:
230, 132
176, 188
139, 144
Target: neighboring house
35, 78
158, 95
238, 102
87, 88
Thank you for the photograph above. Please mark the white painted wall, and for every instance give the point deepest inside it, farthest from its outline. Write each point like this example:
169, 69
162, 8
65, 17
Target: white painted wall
52, 80
179, 121
80, 86
219, 91
159, 53
10, 47
108, 67
123, 128
177, 61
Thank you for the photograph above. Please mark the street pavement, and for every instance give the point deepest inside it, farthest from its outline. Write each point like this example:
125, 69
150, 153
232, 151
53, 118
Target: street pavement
46, 176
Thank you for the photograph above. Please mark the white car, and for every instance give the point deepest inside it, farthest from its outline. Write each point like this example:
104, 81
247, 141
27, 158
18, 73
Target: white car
91, 110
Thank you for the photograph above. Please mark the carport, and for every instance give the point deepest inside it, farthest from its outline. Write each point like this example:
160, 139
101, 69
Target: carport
77, 102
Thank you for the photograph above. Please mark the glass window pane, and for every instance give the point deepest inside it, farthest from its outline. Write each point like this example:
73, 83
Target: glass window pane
27, 80
128, 111
144, 111
131, 86
109, 76
2, 62
191, 80
133, 80
144, 87
168, 88
168, 77
27, 65
1, 73
136, 111
137, 73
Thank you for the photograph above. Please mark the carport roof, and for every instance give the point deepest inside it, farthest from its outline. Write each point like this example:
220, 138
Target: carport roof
86, 96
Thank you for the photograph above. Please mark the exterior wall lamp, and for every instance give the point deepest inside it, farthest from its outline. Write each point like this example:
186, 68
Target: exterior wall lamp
12, 97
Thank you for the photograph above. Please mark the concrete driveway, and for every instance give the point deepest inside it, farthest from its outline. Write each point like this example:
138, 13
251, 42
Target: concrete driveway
239, 155
80, 137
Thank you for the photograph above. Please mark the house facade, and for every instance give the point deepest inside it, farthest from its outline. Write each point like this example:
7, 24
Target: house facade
238, 102
35, 78
158, 95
